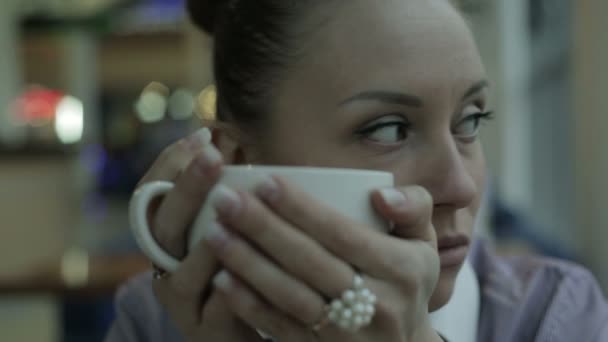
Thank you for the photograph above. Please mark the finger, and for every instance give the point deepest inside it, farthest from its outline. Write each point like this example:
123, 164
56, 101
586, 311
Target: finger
355, 243
221, 324
178, 209
278, 288
173, 160
176, 157
256, 313
410, 209
296, 253
185, 290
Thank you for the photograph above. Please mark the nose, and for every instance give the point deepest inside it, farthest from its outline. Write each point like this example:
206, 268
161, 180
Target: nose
450, 176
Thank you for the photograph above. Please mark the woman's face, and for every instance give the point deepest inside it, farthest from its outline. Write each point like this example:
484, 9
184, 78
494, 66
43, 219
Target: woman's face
390, 85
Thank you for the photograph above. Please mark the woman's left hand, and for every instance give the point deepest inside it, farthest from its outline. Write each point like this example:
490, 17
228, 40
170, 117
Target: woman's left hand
284, 254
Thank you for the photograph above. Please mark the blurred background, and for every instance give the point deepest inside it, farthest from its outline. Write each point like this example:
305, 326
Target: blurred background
92, 90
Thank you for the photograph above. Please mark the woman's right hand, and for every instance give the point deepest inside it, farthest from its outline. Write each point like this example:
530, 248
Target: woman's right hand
194, 165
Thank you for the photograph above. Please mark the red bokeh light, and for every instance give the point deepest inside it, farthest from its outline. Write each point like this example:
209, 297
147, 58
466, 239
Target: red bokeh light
36, 105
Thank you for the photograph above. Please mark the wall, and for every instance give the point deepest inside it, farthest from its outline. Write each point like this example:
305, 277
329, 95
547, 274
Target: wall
24, 214
591, 122
10, 76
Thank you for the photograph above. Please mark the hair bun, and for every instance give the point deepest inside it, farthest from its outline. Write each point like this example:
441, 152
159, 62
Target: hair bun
204, 13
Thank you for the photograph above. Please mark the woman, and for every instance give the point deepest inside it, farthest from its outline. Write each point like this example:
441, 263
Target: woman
394, 85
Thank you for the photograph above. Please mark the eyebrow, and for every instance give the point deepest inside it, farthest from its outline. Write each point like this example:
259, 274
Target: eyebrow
385, 96
476, 88
406, 99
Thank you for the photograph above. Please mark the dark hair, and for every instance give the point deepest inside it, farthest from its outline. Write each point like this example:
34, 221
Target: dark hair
253, 42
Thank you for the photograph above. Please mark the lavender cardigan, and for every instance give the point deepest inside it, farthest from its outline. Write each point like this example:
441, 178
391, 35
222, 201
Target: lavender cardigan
522, 300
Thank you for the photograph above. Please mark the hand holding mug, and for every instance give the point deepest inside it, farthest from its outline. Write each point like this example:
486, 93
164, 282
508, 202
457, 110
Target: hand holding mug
284, 253
286, 243
193, 165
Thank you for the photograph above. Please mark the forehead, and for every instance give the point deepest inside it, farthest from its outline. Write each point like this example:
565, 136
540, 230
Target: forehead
410, 45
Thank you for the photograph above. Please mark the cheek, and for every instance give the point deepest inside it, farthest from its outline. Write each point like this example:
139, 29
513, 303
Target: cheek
478, 173
299, 145
477, 169
301, 148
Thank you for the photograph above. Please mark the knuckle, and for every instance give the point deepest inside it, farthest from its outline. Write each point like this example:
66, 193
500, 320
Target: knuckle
388, 313
302, 306
175, 156
232, 252
259, 222
423, 206
406, 276
402, 268
169, 163
249, 209
347, 240
420, 274
422, 196
425, 225
180, 147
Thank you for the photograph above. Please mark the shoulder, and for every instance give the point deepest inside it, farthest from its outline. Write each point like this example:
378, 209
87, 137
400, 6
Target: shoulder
139, 315
540, 299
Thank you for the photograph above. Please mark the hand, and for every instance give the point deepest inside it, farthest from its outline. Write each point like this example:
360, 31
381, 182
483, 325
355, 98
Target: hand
284, 253
200, 314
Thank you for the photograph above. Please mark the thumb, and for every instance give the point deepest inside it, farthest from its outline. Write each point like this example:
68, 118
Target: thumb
410, 209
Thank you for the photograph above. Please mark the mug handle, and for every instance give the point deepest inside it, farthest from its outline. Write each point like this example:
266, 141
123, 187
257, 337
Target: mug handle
138, 217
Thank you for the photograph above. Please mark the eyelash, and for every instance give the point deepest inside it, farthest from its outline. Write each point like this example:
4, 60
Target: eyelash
480, 118
367, 131
483, 116
406, 125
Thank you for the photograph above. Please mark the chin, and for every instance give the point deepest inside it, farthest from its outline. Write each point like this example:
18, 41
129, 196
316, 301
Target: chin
445, 288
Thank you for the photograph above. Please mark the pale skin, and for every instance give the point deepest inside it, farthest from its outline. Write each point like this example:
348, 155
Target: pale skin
393, 85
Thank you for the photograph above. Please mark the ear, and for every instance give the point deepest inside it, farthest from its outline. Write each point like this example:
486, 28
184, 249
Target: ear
230, 144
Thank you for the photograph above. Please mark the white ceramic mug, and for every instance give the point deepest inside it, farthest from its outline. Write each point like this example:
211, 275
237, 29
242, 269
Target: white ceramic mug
346, 190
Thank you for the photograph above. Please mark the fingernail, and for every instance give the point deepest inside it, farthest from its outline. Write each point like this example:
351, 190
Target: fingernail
222, 280
394, 198
208, 158
216, 235
226, 201
199, 138
268, 189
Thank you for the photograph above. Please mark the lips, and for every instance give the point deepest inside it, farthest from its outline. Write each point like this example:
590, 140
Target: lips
453, 250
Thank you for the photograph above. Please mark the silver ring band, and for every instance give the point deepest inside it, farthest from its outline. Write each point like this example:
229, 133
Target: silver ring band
158, 273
